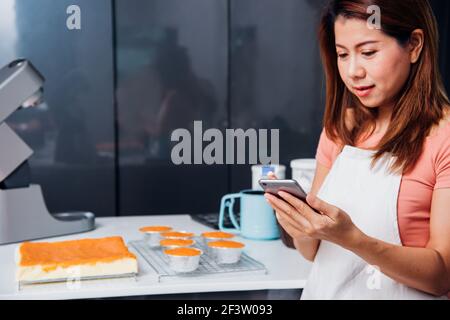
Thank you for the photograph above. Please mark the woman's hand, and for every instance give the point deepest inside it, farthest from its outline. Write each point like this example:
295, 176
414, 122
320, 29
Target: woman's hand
289, 225
301, 221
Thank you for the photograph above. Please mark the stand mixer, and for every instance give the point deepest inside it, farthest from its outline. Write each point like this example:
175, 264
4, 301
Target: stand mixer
23, 212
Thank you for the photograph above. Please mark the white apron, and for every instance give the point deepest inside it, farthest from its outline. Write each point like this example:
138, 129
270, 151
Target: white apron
369, 196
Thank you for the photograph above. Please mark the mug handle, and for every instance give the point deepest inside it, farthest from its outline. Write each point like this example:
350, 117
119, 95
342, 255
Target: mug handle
228, 202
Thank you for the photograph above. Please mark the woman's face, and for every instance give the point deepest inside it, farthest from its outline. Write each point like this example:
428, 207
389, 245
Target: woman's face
373, 65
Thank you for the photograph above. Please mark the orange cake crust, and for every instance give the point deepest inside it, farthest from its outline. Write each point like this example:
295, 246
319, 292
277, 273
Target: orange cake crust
177, 234
155, 229
218, 235
186, 252
226, 244
51, 255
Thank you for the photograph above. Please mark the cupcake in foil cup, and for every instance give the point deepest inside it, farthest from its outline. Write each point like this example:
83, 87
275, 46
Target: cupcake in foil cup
225, 251
183, 260
177, 235
152, 234
176, 243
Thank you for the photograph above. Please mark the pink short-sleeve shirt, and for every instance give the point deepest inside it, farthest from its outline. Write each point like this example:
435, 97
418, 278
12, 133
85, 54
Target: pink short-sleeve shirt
431, 172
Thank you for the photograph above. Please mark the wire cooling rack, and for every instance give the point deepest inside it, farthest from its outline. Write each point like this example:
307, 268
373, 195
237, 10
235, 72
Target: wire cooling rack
159, 262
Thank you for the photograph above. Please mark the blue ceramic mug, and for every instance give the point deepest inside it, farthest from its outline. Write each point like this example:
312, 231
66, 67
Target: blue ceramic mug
257, 218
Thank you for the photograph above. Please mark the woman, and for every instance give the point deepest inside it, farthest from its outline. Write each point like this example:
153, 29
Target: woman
383, 174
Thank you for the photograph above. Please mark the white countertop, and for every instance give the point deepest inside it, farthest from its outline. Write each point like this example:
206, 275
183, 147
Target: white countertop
286, 268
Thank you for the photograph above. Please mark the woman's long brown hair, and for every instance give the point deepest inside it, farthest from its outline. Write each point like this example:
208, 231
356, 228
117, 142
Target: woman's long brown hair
420, 105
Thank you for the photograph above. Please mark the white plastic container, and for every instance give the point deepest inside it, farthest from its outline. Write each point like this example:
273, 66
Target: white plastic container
303, 171
257, 173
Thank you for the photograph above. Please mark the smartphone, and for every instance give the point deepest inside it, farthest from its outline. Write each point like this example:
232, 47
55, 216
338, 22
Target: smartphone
290, 186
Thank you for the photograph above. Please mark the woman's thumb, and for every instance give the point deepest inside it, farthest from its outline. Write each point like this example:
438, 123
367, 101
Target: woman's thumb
272, 175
